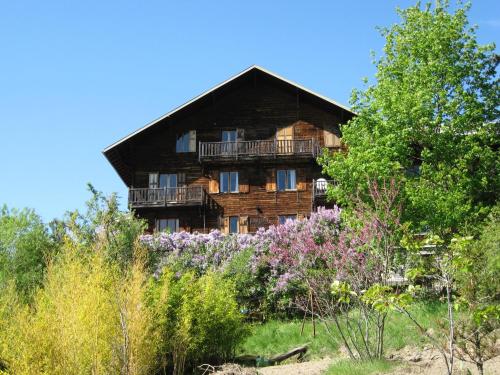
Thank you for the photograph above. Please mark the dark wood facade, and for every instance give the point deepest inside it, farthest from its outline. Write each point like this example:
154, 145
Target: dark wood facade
275, 125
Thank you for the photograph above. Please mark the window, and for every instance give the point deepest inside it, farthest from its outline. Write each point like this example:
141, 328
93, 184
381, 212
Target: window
283, 218
233, 224
153, 180
168, 180
170, 225
229, 135
229, 182
186, 142
286, 179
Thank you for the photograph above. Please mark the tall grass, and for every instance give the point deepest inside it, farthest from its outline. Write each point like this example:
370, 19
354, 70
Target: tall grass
276, 337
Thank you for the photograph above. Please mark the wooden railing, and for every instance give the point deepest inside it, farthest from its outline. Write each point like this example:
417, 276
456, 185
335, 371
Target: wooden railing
259, 148
320, 187
163, 197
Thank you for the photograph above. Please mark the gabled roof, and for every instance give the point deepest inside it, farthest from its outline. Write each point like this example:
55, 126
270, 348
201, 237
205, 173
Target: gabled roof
206, 93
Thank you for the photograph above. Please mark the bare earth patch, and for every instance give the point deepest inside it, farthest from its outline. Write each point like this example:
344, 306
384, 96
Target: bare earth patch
428, 361
414, 361
302, 368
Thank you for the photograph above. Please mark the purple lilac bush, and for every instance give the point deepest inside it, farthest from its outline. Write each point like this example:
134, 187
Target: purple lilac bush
281, 252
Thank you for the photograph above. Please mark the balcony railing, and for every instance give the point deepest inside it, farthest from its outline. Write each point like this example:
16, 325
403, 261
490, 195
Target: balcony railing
259, 148
320, 187
165, 197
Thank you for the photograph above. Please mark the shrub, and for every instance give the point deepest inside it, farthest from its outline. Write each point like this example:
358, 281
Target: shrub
198, 317
88, 318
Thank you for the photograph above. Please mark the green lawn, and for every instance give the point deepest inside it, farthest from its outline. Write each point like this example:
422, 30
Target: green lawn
276, 337
348, 367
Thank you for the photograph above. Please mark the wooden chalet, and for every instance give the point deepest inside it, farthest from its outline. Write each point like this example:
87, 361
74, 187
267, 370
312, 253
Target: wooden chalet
238, 157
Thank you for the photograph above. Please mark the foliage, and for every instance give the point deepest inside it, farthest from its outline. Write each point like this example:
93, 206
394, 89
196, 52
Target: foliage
103, 223
475, 267
429, 121
25, 248
88, 318
183, 251
198, 318
278, 336
266, 282
346, 367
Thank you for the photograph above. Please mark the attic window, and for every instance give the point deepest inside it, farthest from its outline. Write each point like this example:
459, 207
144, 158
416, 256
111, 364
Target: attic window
186, 142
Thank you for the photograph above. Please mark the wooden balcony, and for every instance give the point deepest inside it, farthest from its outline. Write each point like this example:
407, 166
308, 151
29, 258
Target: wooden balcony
167, 197
251, 150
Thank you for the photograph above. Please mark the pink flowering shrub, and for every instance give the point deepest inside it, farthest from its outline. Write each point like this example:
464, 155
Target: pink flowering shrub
276, 259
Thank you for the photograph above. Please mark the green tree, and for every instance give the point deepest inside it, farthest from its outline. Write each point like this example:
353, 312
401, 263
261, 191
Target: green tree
25, 248
429, 121
476, 274
103, 223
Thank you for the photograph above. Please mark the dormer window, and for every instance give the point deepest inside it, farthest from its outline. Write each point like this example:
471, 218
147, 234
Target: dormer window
186, 142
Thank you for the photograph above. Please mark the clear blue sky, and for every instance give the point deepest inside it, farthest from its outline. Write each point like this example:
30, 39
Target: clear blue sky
75, 76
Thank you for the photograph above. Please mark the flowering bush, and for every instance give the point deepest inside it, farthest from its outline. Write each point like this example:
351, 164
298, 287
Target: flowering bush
196, 251
277, 258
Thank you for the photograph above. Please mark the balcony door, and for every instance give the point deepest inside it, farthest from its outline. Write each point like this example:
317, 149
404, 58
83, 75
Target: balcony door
284, 140
168, 182
228, 146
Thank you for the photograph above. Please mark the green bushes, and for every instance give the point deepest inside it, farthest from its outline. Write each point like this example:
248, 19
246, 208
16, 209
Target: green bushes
199, 319
90, 316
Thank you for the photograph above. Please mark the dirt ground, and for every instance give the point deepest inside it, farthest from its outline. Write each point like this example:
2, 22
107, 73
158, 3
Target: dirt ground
428, 361
413, 361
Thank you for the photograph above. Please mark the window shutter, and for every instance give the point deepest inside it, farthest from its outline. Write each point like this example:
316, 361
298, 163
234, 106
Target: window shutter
192, 141
244, 184
240, 134
225, 225
243, 224
337, 142
330, 138
271, 180
213, 184
301, 180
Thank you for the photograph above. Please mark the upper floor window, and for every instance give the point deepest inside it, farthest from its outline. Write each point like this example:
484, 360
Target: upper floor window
167, 225
186, 142
283, 218
229, 182
286, 179
229, 135
284, 134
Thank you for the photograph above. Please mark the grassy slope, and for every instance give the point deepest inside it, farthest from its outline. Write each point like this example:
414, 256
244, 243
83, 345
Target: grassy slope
276, 337
347, 367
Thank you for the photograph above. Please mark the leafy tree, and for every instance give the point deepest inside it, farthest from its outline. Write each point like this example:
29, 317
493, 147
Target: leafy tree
476, 268
103, 223
25, 247
429, 120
